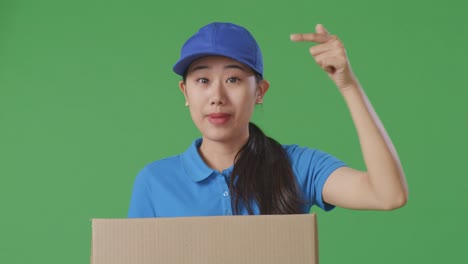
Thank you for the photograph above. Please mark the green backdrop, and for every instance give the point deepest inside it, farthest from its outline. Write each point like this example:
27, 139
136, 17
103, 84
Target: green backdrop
87, 98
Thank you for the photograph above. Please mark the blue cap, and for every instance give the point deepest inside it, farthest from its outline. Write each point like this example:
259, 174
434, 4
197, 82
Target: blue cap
221, 39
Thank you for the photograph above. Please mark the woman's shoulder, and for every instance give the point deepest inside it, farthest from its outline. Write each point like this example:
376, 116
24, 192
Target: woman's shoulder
163, 164
296, 149
304, 154
173, 162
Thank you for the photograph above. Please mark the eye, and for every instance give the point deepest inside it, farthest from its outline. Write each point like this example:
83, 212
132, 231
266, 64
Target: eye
233, 80
202, 80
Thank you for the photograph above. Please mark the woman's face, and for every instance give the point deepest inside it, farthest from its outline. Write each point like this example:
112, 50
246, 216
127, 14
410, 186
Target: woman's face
221, 94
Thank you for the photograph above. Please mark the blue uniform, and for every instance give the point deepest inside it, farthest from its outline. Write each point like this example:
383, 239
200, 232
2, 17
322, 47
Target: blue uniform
184, 185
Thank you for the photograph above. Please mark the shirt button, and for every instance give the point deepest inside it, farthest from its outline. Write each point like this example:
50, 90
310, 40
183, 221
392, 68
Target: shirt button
225, 193
228, 212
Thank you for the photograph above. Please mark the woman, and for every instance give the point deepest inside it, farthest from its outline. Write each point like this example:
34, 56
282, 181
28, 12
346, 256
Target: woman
236, 169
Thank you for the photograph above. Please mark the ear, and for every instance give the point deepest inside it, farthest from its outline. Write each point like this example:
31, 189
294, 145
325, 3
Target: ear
183, 89
263, 87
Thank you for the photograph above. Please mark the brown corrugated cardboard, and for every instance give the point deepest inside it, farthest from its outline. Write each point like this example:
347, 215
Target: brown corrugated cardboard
269, 239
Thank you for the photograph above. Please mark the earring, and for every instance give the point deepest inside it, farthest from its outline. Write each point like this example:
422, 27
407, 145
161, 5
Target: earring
186, 104
260, 101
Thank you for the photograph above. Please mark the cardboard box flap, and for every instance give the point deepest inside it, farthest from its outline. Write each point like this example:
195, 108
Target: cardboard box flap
272, 239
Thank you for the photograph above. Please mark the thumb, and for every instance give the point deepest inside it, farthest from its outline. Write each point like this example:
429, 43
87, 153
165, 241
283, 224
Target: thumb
319, 28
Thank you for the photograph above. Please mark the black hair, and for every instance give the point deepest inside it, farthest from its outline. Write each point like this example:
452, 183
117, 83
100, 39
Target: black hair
263, 174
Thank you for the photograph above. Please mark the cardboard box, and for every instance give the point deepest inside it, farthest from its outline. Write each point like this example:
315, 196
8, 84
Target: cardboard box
269, 239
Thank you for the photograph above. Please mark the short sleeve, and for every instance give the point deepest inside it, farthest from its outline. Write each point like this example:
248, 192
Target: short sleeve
141, 205
312, 168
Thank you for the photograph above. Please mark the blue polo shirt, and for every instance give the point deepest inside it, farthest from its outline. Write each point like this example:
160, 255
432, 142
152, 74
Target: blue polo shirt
184, 185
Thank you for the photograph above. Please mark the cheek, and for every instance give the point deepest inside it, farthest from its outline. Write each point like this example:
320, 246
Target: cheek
252, 97
197, 118
195, 98
246, 103
194, 105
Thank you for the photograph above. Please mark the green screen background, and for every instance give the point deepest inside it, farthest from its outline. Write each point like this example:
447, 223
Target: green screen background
87, 98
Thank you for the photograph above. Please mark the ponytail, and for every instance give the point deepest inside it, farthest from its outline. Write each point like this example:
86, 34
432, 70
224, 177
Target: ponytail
262, 173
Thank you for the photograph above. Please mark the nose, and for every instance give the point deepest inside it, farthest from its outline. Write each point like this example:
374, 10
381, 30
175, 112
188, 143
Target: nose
218, 95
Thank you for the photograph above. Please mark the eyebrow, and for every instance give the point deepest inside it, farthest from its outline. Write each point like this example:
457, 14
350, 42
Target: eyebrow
229, 66
234, 66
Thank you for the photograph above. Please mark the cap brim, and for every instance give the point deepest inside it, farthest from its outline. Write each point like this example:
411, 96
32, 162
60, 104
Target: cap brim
182, 65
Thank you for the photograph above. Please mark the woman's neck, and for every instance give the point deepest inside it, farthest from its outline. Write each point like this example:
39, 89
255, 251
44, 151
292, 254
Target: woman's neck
220, 155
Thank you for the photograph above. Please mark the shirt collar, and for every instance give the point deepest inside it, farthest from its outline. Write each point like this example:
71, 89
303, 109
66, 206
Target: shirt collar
195, 166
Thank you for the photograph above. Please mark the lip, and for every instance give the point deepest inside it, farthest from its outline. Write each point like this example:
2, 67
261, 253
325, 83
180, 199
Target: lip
218, 118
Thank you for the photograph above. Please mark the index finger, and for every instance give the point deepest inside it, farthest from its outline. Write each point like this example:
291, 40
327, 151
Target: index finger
314, 37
